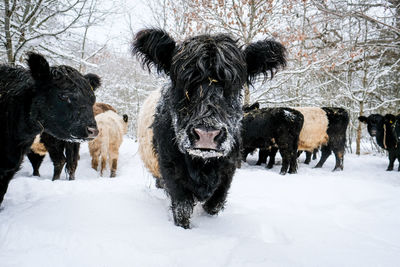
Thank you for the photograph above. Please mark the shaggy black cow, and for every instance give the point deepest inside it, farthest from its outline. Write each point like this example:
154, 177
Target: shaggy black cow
383, 128
56, 100
271, 129
197, 121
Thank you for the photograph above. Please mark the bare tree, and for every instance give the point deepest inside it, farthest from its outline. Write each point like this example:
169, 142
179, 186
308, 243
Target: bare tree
29, 24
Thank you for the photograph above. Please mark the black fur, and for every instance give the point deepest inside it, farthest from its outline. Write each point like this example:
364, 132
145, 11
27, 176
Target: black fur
383, 128
264, 128
264, 153
308, 155
56, 100
338, 120
60, 152
207, 74
263, 57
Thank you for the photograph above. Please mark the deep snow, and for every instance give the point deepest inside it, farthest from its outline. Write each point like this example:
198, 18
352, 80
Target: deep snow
313, 218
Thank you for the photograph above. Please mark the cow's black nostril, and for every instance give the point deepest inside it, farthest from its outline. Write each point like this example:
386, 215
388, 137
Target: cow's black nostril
92, 132
195, 135
220, 135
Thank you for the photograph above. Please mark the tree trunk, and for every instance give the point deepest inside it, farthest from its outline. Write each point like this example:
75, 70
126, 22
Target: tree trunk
8, 44
358, 140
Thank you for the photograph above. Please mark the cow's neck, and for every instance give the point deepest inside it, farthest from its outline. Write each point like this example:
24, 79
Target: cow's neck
22, 120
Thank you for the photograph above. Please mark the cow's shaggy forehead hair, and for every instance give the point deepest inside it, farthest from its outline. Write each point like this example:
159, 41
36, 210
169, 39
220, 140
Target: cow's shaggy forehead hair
205, 57
70, 79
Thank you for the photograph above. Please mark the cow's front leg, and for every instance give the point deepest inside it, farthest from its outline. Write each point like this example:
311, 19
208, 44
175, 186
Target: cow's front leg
217, 201
392, 158
182, 203
182, 211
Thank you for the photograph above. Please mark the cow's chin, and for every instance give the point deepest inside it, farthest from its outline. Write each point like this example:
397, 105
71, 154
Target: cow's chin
205, 153
70, 137
76, 139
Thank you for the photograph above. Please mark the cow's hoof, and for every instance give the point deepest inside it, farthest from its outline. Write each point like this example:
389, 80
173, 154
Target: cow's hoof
389, 169
182, 212
213, 210
160, 183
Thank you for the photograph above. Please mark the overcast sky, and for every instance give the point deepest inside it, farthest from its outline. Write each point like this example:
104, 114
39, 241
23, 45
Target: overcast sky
115, 30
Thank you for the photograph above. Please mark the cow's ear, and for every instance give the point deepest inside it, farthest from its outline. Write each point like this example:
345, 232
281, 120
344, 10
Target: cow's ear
125, 118
264, 57
248, 108
154, 47
38, 66
389, 118
363, 119
256, 105
94, 80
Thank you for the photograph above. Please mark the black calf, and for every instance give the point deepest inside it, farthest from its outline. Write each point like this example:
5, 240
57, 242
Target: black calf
269, 127
197, 122
385, 129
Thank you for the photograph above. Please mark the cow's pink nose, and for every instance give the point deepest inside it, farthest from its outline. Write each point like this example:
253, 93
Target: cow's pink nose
206, 138
92, 132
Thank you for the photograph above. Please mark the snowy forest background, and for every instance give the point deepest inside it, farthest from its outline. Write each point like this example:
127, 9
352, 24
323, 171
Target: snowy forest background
341, 53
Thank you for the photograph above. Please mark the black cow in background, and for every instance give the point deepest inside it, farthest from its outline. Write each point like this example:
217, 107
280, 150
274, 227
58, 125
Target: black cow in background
56, 100
263, 153
271, 129
197, 120
383, 128
331, 137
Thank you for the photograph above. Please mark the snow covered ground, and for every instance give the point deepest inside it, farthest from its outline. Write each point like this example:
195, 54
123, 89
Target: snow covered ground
313, 218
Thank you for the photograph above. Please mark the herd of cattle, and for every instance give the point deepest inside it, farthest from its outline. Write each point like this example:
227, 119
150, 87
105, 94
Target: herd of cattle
192, 134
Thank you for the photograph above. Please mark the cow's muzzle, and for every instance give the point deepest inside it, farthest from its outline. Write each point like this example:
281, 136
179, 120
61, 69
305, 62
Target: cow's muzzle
206, 139
91, 132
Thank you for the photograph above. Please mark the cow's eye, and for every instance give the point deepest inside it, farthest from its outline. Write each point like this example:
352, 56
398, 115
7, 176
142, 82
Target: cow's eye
64, 97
